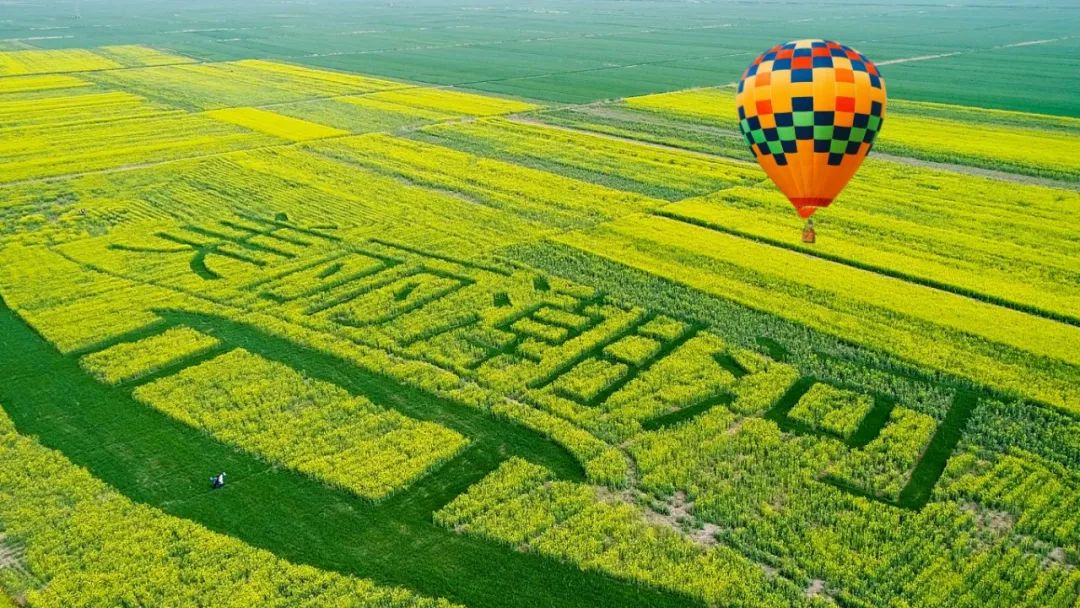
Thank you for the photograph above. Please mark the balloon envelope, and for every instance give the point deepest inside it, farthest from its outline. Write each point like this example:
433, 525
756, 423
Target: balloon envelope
810, 110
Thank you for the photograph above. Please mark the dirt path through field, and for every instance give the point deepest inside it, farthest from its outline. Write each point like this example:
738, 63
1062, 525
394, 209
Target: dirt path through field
979, 171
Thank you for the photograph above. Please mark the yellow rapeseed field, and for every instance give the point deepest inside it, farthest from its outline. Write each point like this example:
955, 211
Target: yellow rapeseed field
270, 123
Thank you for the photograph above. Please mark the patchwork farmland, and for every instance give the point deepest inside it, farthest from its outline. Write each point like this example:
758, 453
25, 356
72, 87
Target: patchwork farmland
462, 348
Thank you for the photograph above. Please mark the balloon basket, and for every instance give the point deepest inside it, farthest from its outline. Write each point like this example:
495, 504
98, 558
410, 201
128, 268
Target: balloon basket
809, 236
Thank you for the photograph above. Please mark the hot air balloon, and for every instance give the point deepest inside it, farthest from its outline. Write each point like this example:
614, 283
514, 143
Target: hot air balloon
810, 110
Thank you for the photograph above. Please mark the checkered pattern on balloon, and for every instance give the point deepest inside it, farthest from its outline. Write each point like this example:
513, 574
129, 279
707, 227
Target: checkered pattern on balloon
810, 110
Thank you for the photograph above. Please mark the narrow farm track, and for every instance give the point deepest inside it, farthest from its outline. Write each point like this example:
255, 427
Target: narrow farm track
980, 172
158, 461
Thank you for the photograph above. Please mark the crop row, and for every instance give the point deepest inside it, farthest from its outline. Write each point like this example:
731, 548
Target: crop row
1040, 498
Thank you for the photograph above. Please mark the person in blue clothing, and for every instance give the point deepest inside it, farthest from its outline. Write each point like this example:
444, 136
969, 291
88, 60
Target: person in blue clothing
218, 480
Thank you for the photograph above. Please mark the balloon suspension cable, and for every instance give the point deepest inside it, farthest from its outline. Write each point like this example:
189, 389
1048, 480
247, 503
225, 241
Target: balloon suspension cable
808, 233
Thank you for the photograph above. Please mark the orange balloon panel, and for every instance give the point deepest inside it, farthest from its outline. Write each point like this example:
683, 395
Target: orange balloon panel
810, 110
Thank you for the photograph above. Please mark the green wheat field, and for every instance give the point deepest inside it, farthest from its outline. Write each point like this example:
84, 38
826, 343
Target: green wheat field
486, 304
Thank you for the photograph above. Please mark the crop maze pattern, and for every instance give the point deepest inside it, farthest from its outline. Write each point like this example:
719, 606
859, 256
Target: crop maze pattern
497, 324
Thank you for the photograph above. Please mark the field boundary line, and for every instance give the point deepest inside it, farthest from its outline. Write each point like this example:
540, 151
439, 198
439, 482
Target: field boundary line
1019, 178
881, 270
527, 117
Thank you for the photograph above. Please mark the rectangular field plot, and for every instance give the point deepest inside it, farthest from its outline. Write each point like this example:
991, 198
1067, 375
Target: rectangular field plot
1032, 151
237, 84
34, 84
57, 61
34, 153
277, 125
274, 412
395, 110
359, 114
133, 55
454, 102
518, 191
15, 63
130, 360
667, 130
634, 166
74, 108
